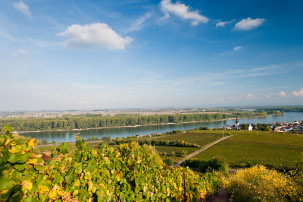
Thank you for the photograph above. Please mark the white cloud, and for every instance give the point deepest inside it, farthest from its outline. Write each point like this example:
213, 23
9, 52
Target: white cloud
221, 24
139, 23
282, 94
268, 95
20, 52
249, 23
182, 11
23, 52
237, 48
250, 96
298, 93
7, 36
224, 23
96, 34
23, 8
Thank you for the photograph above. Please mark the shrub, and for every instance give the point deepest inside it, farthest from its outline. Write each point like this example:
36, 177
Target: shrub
246, 165
192, 163
168, 162
107, 138
260, 184
203, 128
183, 153
216, 163
63, 148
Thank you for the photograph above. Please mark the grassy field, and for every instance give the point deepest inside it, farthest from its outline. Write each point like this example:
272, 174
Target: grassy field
278, 150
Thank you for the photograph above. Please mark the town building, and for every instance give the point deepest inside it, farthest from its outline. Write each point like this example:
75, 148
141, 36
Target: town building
250, 128
237, 124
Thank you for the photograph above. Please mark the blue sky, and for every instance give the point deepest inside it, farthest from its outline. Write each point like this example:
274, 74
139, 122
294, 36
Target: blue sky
91, 54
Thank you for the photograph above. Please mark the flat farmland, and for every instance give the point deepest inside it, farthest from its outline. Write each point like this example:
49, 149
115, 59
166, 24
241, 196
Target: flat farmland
278, 150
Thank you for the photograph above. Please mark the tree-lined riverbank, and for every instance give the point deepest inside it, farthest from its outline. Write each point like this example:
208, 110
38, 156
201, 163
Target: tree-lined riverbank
95, 121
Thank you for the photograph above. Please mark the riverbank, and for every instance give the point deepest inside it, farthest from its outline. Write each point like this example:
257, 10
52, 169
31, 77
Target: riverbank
134, 126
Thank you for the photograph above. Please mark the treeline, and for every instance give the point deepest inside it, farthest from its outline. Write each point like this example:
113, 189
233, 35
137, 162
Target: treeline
246, 114
176, 143
97, 121
282, 109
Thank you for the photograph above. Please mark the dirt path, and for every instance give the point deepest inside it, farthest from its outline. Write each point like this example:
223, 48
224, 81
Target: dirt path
200, 150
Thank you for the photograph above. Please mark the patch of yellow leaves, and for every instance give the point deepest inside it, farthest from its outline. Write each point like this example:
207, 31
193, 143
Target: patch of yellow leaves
33, 142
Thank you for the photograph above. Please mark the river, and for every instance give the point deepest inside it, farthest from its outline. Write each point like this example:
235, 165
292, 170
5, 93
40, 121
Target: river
69, 136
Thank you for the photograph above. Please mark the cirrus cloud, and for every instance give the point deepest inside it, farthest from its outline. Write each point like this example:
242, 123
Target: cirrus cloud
182, 11
249, 23
94, 35
23, 8
139, 23
237, 48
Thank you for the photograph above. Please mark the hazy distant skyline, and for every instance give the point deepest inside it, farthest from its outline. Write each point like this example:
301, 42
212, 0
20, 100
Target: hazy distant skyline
139, 53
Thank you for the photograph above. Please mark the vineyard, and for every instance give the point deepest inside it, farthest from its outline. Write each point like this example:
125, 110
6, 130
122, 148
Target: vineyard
247, 148
202, 138
128, 172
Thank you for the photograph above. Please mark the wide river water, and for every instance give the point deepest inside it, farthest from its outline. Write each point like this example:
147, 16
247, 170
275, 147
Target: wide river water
69, 136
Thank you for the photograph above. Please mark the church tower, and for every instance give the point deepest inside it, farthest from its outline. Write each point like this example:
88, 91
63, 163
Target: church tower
237, 124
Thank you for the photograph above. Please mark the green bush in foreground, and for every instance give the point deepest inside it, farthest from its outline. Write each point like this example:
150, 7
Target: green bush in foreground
214, 164
168, 162
261, 184
128, 172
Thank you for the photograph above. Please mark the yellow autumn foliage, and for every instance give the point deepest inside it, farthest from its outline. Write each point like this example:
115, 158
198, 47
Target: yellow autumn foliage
43, 189
26, 185
33, 142
32, 161
52, 194
261, 184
